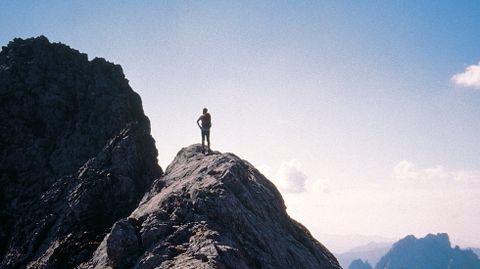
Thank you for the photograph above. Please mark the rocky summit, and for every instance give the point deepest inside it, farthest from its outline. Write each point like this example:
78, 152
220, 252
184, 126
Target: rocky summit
210, 211
81, 187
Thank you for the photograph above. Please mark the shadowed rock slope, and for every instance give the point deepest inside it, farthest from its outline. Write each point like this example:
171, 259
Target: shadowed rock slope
210, 211
76, 153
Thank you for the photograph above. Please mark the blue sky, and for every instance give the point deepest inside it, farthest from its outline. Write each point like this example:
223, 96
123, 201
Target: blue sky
351, 105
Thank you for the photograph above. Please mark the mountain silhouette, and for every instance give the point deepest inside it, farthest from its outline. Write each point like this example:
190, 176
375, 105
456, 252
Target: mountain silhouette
359, 264
430, 252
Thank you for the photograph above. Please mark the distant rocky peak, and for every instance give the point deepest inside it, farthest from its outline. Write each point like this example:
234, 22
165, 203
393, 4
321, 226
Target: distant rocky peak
434, 251
439, 240
359, 264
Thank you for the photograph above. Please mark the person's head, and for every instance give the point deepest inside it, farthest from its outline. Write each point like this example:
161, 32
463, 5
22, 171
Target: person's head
205, 110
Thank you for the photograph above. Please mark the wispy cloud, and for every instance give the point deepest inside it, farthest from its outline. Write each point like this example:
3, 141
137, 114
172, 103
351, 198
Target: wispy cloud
291, 178
469, 78
406, 170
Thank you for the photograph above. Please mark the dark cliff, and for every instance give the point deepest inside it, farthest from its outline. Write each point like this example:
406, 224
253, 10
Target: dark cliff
81, 187
76, 153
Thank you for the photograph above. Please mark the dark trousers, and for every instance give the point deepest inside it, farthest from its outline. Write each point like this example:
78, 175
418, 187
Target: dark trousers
206, 135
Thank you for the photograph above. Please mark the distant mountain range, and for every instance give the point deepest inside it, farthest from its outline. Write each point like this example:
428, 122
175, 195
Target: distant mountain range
359, 264
430, 252
342, 243
371, 252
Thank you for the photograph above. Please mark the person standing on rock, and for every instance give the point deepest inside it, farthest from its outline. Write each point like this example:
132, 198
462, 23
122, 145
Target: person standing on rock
206, 123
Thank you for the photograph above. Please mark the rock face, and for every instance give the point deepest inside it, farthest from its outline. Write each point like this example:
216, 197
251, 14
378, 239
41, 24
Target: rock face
214, 211
76, 153
430, 252
81, 187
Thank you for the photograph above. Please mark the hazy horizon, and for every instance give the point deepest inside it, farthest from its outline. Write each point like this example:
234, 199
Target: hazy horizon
364, 116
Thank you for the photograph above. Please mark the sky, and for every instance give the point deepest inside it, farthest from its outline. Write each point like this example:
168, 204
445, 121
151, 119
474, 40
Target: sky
364, 114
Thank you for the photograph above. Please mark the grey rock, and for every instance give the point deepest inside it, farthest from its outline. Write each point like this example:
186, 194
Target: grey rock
76, 153
116, 249
212, 211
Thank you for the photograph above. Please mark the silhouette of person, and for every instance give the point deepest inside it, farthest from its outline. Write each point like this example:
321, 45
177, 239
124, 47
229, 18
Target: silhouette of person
206, 121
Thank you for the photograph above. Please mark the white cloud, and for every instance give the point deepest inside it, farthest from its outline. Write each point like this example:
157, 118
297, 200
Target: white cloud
469, 78
406, 170
467, 176
436, 172
290, 177
319, 185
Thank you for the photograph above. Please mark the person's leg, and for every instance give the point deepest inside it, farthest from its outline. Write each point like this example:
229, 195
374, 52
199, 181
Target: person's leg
208, 139
203, 140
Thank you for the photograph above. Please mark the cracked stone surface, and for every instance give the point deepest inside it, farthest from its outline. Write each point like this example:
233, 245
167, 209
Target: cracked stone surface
211, 211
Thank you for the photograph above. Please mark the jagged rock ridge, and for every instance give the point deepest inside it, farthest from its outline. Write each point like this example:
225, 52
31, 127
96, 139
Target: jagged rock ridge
77, 157
76, 153
214, 211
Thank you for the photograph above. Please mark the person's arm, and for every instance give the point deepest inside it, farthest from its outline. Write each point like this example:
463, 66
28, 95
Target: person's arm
198, 122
